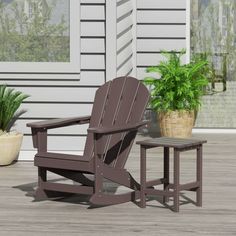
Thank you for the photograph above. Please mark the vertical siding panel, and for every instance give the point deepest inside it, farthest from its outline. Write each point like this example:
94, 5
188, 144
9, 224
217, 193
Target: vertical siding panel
111, 42
125, 37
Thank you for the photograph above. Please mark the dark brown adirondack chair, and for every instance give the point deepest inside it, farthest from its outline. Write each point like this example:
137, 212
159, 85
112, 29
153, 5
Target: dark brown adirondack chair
116, 116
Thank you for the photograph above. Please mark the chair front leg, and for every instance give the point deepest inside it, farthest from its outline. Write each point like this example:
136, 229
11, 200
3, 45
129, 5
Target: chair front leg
40, 142
98, 184
40, 194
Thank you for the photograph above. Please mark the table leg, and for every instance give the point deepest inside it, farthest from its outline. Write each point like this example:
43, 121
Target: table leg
142, 176
199, 176
166, 171
176, 180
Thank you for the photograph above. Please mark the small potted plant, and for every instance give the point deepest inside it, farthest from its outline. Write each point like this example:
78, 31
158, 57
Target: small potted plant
10, 141
176, 94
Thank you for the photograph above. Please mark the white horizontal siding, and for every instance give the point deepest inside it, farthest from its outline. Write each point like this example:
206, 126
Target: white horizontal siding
92, 29
87, 78
151, 59
66, 143
161, 25
60, 94
92, 78
161, 4
27, 155
156, 45
54, 110
70, 130
93, 62
92, 12
94, 2
160, 16
94, 45
161, 31
141, 73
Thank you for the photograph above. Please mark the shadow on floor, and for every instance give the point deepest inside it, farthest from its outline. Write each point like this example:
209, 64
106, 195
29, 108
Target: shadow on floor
29, 189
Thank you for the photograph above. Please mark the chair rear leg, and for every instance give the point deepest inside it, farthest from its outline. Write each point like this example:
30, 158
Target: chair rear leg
98, 167
43, 194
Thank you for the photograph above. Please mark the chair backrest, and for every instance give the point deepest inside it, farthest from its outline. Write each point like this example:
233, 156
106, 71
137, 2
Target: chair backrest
118, 102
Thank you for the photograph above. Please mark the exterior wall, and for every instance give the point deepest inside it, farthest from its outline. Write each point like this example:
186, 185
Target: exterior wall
161, 25
108, 41
107, 51
59, 96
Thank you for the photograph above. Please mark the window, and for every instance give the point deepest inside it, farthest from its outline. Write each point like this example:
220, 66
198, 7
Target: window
213, 35
39, 36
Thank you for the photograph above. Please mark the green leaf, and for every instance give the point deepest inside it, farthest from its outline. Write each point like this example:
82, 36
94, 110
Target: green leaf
10, 101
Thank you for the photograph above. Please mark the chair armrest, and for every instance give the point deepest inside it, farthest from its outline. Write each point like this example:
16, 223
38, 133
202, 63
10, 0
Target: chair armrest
60, 122
120, 129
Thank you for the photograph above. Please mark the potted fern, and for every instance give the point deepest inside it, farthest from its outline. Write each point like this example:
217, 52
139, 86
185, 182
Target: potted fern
176, 94
10, 141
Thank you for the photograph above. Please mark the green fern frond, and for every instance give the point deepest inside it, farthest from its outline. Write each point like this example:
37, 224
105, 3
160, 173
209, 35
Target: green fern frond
180, 85
10, 101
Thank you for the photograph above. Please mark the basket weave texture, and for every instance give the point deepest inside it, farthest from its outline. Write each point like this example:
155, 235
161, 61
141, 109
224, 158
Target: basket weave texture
176, 124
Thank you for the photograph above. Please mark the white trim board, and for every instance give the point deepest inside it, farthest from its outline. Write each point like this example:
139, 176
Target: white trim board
134, 32
214, 131
188, 18
29, 155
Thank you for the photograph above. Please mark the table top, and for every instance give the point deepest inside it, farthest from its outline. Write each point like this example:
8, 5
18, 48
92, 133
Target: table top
171, 142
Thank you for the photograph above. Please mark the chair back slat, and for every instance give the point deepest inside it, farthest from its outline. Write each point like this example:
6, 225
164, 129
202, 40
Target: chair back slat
96, 117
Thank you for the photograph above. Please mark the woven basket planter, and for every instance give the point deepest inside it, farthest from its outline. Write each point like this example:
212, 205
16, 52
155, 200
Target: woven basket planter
9, 148
176, 124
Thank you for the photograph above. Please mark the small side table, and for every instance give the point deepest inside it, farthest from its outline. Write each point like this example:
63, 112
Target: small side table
171, 190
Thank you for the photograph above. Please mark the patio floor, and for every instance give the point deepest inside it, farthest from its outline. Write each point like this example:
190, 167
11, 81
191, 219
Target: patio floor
20, 215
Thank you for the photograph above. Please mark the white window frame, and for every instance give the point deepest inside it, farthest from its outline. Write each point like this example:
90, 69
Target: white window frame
71, 67
188, 28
